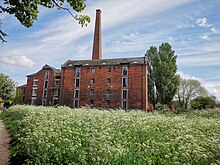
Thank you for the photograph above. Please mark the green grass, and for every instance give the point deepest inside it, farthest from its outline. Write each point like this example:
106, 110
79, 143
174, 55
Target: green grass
62, 135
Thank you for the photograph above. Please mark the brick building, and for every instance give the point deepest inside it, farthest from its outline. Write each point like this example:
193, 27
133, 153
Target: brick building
110, 83
43, 87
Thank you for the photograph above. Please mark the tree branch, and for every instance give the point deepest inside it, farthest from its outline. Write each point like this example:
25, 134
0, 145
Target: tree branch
64, 9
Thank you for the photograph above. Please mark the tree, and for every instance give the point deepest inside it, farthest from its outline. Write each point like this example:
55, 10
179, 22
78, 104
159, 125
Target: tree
163, 80
26, 11
203, 102
7, 87
189, 89
18, 96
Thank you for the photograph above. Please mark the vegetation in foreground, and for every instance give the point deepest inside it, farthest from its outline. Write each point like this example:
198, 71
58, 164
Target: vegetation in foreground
62, 135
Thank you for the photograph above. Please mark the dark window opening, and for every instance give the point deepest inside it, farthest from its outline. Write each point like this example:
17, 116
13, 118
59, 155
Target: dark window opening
124, 104
125, 82
91, 91
124, 94
77, 82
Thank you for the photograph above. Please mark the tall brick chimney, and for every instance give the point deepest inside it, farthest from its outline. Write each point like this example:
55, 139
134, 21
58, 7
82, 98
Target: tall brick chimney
97, 42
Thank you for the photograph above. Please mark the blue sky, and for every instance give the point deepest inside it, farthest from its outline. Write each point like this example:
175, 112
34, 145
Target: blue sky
129, 28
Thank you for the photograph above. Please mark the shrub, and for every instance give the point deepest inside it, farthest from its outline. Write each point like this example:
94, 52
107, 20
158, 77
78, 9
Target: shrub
61, 135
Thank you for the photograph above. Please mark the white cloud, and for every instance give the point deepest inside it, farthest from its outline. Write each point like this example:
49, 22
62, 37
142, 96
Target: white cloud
214, 30
19, 60
203, 22
205, 37
187, 76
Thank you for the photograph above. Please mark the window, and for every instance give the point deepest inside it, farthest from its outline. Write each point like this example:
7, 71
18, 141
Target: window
93, 70
76, 94
46, 74
45, 93
57, 82
124, 81
92, 80
33, 100
43, 102
124, 94
91, 91
35, 83
45, 83
34, 91
77, 82
108, 69
124, 105
108, 91
55, 101
91, 102
55, 92
108, 80
76, 104
77, 72
125, 71
108, 103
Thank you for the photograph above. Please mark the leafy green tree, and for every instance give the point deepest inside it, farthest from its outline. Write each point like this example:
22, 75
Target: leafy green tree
151, 54
189, 89
7, 87
163, 80
18, 96
203, 102
26, 11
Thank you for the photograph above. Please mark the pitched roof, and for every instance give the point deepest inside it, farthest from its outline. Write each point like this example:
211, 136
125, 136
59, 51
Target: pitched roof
57, 71
105, 62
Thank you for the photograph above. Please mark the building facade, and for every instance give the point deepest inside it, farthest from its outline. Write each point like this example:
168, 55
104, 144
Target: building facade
109, 83
43, 87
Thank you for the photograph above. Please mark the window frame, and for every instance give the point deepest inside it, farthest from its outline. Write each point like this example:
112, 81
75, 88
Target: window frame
92, 81
76, 83
46, 83
46, 74
92, 91
34, 89
108, 100
44, 91
34, 83
44, 101
57, 93
74, 103
108, 89
126, 82
109, 69
108, 80
33, 102
76, 93
124, 68
77, 72
126, 107
123, 94
93, 70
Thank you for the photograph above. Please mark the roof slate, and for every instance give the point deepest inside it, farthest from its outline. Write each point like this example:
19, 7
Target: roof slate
57, 71
105, 62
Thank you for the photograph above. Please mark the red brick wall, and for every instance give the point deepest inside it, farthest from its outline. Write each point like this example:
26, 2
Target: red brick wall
40, 86
137, 86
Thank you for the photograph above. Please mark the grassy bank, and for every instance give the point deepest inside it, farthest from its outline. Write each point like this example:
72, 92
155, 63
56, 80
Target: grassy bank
43, 135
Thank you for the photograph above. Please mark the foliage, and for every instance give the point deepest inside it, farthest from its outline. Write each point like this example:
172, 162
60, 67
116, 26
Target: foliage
26, 11
2, 34
162, 77
61, 135
18, 96
203, 102
7, 87
188, 90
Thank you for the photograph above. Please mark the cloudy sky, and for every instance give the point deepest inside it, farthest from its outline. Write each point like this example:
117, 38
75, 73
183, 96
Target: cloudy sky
129, 28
